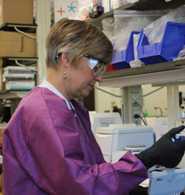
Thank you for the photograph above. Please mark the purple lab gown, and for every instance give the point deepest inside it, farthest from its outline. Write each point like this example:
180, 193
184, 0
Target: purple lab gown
50, 150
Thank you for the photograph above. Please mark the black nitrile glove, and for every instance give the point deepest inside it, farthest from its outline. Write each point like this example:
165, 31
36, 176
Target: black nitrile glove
167, 151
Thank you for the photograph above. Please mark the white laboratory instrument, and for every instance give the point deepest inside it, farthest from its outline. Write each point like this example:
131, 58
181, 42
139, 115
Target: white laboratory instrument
159, 124
166, 182
115, 140
104, 119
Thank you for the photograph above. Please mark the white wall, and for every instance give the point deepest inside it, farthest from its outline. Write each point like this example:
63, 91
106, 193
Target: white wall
157, 99
103, 101
182, 88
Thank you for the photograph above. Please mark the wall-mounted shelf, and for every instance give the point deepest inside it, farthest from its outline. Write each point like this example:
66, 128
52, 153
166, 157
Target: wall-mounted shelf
98, 20
23, 60
12, 94
163, 73
23, 27
156, 4
142, 5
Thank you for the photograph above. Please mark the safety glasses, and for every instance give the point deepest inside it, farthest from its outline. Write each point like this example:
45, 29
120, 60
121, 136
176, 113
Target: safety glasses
96, 65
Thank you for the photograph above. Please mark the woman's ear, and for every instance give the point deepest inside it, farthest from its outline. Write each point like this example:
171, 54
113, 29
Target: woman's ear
64, 60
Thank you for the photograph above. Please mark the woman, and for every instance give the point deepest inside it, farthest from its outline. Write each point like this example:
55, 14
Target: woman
48, 144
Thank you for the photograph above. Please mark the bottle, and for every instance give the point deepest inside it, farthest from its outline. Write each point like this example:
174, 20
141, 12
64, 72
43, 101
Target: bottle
96, 10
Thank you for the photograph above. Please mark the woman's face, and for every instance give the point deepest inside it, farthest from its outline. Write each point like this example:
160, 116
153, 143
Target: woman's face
81, 79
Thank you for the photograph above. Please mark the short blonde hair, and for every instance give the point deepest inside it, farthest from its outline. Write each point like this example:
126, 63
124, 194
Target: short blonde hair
78, 37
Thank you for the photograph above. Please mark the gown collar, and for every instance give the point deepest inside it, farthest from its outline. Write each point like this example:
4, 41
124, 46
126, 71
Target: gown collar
48, 85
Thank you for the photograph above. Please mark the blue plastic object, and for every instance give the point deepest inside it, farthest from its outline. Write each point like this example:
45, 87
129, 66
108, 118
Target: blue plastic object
172, 42
121, 59
166, 181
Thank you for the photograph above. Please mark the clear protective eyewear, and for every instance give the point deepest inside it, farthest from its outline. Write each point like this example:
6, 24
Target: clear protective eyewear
96, 65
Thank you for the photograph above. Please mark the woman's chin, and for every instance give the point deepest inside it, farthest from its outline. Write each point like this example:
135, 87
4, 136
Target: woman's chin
86, 92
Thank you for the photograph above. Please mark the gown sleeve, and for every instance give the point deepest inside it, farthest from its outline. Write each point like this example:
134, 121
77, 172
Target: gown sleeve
58, 170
